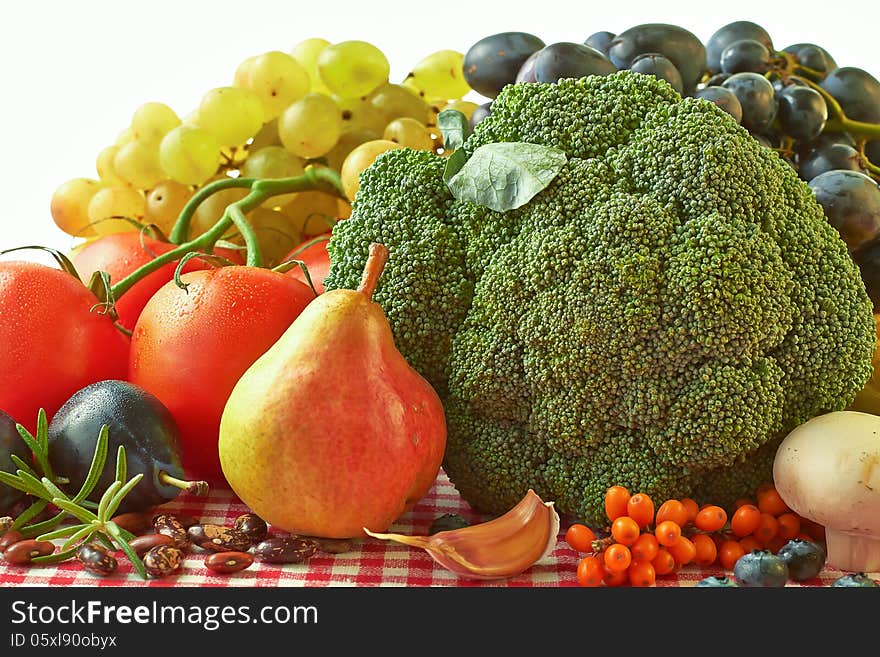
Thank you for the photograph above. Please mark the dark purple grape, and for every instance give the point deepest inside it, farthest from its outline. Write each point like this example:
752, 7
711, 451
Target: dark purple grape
724, 98
480, 113
857, 91
526, 72
828, 158
804, 559
675, 43
812, 56
570, 60
730, 33
784, 83
493, 62
851, 201
601, 41
717, 80
10, 443
658, 66
868, 260
758, 100
760, 568
855, 580
746, 55
802, 112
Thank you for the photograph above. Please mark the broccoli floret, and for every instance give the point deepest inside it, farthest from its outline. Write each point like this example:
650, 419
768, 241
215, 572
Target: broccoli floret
658, 317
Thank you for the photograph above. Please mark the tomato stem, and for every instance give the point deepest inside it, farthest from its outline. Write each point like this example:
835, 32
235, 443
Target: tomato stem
315, 178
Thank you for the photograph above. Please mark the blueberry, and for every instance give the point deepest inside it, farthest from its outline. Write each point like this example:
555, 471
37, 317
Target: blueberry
716, 581
803, 558
855, 579
760, 568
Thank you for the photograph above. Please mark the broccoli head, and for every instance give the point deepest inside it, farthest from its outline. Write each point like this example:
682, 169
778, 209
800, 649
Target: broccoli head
659, 317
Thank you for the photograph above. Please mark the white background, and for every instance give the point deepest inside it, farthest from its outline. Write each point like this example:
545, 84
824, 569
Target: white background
74, 71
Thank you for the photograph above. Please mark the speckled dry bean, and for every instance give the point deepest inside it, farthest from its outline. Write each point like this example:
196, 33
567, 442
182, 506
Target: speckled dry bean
136, 522
218, 538
22, 552
289, 549
253, 526
96, 559
8, 538
162, 560
147, 541
228, 562
170, 526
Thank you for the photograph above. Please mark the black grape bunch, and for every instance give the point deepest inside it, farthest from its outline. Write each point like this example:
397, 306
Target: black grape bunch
822, 119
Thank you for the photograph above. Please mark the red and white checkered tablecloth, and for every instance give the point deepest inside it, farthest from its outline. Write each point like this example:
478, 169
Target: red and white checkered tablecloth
371, 563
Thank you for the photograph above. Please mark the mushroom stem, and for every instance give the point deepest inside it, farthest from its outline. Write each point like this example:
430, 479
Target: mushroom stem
852, 552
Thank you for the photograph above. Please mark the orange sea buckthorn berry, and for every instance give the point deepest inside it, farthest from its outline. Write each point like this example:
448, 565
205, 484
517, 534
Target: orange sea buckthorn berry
580, 537
590, 571
667, 533
742, 502
760, 490
768, 527
705, 550
672, 510
642, 574
625, 530
683, 551
616, 499
745, 520
617, 557
711, 518
691, 507
789, 525
771, 502
645, 548
729, 552
775, 544
664, 562
749, 543
616, 577
641, 509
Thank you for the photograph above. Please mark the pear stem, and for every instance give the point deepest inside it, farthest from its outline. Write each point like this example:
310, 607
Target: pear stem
373, 269
198, 488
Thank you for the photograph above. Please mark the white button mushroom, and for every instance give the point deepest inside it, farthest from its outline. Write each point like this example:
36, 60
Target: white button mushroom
828, 470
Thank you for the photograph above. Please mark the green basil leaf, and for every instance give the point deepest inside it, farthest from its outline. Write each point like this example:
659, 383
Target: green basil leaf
506, 175
454, 127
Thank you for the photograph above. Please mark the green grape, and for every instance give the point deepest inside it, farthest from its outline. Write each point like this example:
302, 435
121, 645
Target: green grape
273, 162
348, 141
137, 164
360, 113
410, 133
211, 209
352, 68
466, 107
267, 136
70, 206
232, 114
111, 202
306, 53
275, 233
440, 75
311, 213
165, 202
152, 121
394, 101
124, 137
276, 78
189, 155
191, 119
311, 126
358, 160
105, 167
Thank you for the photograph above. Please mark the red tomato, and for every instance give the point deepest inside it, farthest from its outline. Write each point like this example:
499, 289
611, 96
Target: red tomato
120, 254
315, 257
190, 348
51, 341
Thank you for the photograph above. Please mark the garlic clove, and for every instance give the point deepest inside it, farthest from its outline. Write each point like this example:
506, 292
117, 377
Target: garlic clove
503, 547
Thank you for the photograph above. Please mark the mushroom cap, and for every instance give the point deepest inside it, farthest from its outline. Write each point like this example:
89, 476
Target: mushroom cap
828, 470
